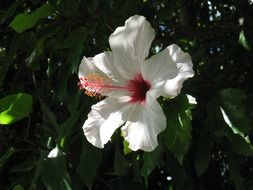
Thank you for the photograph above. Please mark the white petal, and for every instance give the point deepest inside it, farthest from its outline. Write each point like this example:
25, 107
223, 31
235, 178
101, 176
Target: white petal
131, 43
169, 88
105, 117
105, 63
87, 67
159, 67
144, 124
167, 71
183, 61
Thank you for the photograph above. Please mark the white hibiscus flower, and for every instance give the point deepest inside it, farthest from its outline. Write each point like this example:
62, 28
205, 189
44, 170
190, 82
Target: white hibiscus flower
131, 84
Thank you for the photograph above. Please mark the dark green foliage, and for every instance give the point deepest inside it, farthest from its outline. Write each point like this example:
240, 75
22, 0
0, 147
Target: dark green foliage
205, 146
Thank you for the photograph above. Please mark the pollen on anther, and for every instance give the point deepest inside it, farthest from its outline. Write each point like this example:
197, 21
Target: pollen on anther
93, 84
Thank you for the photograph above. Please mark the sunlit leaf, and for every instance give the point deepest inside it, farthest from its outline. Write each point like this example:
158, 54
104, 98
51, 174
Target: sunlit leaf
126, 148
15, 107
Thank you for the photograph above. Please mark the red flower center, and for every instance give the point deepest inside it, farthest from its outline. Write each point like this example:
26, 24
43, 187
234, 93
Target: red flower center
139, 87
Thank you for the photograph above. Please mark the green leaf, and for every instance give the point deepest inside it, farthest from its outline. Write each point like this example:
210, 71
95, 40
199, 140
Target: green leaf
27, 165
6, 156
177, 135
150, 160
68, 8
226, 117
24, 21
18, 45
55, 175
202, 152
121, 165
233, 103
49, 117
75, 42
126, 148
232, 107
67, 127
32, 61
39, 169
89, 162
234, 170
176, 171
183, 137
93, 6
15, 107
241, 145
18, 187
170, 134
